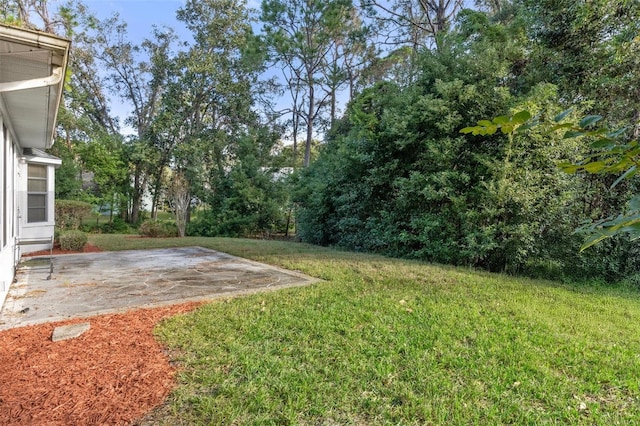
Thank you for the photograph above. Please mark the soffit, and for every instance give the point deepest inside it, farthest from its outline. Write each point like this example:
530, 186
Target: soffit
26, 55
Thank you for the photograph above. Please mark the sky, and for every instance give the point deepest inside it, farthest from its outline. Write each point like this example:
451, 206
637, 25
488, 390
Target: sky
140, 15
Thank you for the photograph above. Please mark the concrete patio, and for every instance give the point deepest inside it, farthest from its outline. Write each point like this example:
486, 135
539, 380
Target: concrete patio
85, 285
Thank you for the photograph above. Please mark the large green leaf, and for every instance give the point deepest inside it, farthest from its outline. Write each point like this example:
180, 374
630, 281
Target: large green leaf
628, 174
558, 118
589, 120
568, 168
521, 117
502, 119
573, 134
506, 129
594, 239
561, 126
595, 167
604, 143
634, 203
616, 133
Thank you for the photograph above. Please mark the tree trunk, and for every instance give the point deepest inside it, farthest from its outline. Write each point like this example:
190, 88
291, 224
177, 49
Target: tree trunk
295, 117
333, 104
136, 202
156, 193
307, 149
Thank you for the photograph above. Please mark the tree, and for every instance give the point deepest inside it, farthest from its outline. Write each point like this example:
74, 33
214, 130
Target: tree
300, 34
346, 59
86, 109
102, 59
493, 7
68, 186
84, 120
207, 130
179, 196
397, 177
35, 14
139, 82
103, 159
416, 22
210, 92
569, 43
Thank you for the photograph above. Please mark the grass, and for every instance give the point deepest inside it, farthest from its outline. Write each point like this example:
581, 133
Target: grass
385, 341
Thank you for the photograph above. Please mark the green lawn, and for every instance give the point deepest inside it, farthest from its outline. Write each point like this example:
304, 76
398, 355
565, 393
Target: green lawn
385, 341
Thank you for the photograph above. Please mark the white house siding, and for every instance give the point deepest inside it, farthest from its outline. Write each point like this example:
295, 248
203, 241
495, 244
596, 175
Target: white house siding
8, 203
32, 69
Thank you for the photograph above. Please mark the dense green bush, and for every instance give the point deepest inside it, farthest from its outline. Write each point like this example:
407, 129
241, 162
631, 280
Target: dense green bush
73, 240
157, 228
150, 228
397, 177
69, 213
247, 199
116, 226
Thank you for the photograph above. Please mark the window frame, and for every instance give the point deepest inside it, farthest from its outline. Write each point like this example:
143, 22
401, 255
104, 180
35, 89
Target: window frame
43, 195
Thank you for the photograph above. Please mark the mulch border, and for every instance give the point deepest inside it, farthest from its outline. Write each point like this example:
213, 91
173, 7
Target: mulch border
113, 374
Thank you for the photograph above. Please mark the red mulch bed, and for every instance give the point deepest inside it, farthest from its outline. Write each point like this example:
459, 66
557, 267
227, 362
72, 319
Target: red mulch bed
88, 248
113, 374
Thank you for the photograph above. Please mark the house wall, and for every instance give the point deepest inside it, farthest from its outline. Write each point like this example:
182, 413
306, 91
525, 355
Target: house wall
8, 209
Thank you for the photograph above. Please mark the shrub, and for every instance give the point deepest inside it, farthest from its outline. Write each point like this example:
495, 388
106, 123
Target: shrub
116, 226
73, 240
150, 228
155, 228
69, 213
169, 228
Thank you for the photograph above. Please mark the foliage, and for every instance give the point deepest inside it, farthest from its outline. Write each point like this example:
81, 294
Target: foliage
135, 74
69, 213
610, 153
395, 175
397, 178
157, 229
301, 37
588, 49
415, 23
248, 198
68, 185
109, 179
73, 240
115, 226
207, 130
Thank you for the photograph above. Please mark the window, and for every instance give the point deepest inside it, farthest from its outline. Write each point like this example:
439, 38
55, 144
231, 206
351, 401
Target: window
36, 193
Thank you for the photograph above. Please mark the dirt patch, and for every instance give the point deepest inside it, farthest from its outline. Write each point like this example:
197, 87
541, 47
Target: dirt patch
88, 248
113, 374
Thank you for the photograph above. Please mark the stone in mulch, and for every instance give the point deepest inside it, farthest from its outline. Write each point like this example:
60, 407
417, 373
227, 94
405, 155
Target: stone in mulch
66, 332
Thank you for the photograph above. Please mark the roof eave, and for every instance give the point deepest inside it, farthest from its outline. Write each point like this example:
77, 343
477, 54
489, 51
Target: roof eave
60, 48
